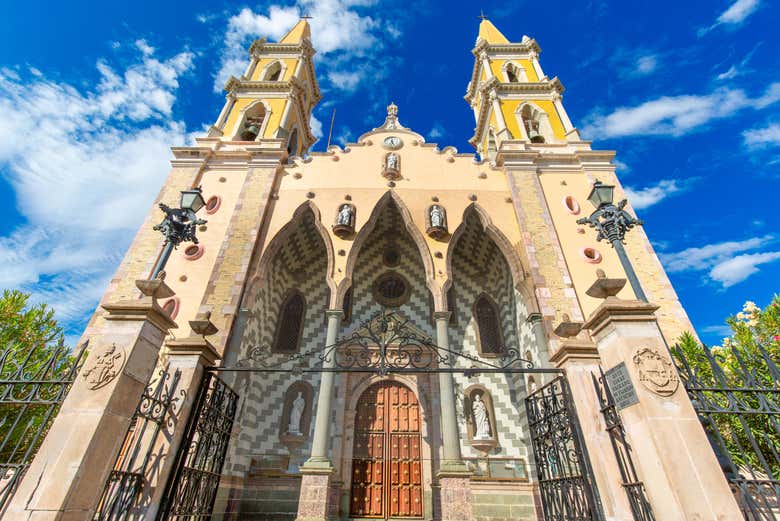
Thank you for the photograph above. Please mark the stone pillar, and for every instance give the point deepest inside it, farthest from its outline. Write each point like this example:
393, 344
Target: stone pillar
580, 359
67, 476
453, 475
672, 455
542, 345
318, 500
189, 355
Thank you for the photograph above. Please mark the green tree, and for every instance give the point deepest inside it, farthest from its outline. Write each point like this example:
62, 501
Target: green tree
748, 364
31, 350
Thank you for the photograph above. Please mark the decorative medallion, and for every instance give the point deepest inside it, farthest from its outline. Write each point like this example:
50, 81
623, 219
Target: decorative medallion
105, 367
656, 371
392, 143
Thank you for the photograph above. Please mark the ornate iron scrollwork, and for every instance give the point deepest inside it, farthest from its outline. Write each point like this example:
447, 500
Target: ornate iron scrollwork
385, 343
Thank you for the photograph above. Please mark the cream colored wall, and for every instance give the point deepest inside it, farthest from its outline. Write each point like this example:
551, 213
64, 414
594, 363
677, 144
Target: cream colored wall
573, 238
426, 173
227, 185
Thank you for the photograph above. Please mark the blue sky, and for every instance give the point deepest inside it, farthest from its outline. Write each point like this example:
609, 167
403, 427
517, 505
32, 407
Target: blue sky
93, 94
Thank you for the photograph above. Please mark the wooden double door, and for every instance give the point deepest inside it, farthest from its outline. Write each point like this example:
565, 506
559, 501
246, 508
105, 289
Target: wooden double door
386, 457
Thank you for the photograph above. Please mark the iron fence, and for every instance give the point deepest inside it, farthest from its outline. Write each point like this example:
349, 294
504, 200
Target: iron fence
33, 384
736, 393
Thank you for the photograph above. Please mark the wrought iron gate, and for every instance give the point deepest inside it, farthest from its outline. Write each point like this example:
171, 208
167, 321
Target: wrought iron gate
33, 384
635, 489
737, 397
566, 482
192, 489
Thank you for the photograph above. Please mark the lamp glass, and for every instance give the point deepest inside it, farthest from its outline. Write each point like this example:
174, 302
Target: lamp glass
601, 194
192, 200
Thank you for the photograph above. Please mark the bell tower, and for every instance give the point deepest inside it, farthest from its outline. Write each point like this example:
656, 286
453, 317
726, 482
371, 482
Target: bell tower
275, 95
511, 96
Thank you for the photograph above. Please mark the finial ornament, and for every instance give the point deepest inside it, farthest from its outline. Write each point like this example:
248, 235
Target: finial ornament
482, 15
392, 110
391, 122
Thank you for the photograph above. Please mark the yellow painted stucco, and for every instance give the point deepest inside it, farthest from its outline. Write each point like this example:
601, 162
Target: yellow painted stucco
512, 116
274, 117
497, 66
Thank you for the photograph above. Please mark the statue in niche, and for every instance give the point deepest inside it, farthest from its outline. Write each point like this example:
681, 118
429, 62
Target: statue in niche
481, 419
296, 414
392, 161
437, 216
345, 215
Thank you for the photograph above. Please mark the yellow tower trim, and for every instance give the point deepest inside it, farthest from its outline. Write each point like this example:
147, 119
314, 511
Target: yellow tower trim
489, 32
300, 31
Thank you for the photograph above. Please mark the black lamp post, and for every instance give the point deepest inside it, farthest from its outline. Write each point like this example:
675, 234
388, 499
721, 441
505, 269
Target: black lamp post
179, 225
612, 222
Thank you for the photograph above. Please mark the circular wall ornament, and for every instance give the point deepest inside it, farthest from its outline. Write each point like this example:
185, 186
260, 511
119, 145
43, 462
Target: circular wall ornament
656, 371
391, 289
392, 143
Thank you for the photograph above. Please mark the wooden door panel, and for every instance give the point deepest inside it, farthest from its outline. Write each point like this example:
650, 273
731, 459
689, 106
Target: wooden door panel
387, 466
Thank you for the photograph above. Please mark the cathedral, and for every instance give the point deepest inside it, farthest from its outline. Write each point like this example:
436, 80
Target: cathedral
388, 330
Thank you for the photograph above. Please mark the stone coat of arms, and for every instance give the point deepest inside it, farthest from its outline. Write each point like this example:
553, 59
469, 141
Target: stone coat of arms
105, 367
656, 371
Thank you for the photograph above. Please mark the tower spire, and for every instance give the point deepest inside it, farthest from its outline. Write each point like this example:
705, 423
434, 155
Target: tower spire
489, 32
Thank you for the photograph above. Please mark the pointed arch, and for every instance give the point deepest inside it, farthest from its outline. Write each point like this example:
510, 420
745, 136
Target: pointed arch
504, 245
256, 280
289, 323
389, 197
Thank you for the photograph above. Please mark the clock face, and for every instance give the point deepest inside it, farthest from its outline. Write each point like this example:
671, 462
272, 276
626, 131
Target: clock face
393, 142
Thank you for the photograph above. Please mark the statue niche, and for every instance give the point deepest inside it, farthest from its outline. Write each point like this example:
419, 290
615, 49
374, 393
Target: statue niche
436, 221
481, 419
296, 414
391, 167
345, 221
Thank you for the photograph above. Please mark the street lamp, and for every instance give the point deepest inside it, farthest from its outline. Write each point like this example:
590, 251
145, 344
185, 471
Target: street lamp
179, 224
612, 222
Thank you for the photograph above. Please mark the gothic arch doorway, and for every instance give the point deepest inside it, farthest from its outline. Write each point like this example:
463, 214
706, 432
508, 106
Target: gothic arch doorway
386, 456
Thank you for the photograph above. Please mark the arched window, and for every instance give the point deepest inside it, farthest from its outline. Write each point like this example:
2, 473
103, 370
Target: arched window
292, 143
290, 324
488, 326
511, 74
532, 123
252, 124
347, 307
273, 72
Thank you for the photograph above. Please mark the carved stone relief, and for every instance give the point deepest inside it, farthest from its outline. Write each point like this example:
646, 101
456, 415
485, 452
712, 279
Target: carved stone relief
656, 371
105, 367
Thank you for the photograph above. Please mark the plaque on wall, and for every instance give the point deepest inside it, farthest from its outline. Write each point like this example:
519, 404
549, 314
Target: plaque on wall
621, 386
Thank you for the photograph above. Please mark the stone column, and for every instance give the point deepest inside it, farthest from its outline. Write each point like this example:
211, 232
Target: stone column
317, 500
542, 345
672, 455
453, 475
67, 476
580, 359
189, 355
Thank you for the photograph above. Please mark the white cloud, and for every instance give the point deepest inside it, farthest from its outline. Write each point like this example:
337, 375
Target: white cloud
646, 64
676, 115
316, 126
737, 13
336, 27
621, 166
762, 137
720, 260
739, 268
437, 131
720, 330
85, 167
650, 195
729, 74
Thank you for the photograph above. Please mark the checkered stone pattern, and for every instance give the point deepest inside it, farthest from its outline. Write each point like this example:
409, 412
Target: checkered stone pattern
480, 267
301, 264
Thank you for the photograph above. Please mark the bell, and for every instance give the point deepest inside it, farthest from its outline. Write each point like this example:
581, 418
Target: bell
250, 133
535, 136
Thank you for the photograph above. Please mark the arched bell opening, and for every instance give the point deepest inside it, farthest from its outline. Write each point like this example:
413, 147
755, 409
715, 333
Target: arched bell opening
252, 122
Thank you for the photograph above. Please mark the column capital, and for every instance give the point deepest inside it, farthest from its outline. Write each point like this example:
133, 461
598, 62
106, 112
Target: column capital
339, 313
613, 310
442, 315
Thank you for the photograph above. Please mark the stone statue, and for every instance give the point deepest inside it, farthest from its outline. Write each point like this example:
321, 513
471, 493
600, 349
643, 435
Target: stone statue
437, 217
296, 414
392, 161
345, 215
481, 419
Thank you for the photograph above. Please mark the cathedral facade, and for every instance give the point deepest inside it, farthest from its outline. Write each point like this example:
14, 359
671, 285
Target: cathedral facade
386, 330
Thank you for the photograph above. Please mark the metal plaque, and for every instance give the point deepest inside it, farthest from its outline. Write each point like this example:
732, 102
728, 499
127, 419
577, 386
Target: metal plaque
621, 386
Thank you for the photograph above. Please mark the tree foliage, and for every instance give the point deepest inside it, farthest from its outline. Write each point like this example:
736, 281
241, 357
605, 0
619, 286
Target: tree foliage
32, 356
743, 373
